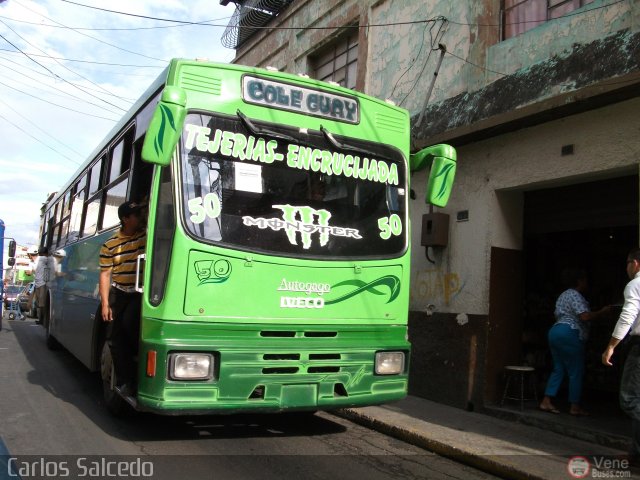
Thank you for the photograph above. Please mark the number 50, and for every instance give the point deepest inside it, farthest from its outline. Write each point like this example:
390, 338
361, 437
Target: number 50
388, 226
200, 209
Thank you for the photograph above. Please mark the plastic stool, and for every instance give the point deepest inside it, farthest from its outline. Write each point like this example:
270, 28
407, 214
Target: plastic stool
518, 373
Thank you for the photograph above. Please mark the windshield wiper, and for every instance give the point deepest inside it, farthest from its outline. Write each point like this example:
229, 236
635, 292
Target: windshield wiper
264, 131
345, 146
256, 130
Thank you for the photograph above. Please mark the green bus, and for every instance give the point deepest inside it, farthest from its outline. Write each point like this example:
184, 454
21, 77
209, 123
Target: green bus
276, 273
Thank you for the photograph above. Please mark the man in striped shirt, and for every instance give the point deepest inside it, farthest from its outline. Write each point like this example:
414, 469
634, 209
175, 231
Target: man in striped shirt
121, 304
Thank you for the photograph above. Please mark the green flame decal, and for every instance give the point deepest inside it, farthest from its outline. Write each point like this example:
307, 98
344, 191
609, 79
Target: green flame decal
443, 186
390, 281
167, 116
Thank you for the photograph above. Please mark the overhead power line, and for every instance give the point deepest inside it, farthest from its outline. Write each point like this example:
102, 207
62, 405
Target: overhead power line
59, 106
66, 95
93, 38
55, 74
432, 48
130, 29
41, 129
38, 140
184, 22
84, 61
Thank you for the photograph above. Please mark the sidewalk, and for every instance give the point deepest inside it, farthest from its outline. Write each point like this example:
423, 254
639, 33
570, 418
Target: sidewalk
504, 448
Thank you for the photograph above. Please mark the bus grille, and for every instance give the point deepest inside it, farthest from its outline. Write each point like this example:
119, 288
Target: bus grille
391, 123
291, 334
200, 83
288, 363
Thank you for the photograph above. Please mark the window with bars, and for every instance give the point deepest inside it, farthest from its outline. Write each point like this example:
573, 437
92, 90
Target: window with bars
338, 61
519, 16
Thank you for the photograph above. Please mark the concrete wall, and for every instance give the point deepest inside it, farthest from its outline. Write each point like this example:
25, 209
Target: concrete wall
309, 24
492, 174
401, 62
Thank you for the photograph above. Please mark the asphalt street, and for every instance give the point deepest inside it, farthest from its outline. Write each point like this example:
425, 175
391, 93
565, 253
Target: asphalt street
52, 417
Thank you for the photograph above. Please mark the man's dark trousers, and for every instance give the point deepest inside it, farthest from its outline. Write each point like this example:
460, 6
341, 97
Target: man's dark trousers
125, 333
630, 394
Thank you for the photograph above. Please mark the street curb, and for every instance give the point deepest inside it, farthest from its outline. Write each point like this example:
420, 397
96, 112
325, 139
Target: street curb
480, 462
605, 439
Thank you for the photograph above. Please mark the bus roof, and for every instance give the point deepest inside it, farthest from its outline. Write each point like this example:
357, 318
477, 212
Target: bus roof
124, 121
169, 73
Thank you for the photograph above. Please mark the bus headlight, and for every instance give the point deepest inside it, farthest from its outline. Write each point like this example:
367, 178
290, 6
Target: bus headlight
190, 366
389, 363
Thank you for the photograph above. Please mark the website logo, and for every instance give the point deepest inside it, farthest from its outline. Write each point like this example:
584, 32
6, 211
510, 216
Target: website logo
305, 221
578, 467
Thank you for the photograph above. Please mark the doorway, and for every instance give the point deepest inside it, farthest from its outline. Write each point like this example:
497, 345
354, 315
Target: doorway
591, 226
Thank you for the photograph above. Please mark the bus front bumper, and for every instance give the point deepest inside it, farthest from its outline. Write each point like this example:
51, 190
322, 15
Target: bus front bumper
293, 374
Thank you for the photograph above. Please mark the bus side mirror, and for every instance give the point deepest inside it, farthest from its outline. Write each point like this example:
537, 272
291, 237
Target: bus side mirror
12, 249
165, 128
11, 261
443, 170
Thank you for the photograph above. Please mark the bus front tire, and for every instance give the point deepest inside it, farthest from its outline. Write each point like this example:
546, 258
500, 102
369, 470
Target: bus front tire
114, 402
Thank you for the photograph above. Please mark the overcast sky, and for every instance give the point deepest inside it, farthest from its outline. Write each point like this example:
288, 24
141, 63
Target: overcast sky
94, 64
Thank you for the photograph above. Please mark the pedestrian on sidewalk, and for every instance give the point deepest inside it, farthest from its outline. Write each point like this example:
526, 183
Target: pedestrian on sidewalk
628, 323
44, 266
567, 339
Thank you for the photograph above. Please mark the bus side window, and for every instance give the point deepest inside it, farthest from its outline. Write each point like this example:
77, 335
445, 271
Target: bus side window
115, 195
94, 177
94, 197
67, 203
57, 224
66, 216
162, 238
64, 230
121, 156
141, 175
46, 228
77, 205
91, 213
58, 237
116, 187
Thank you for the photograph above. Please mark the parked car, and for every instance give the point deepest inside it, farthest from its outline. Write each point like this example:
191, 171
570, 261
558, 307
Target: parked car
23, 299
11, 293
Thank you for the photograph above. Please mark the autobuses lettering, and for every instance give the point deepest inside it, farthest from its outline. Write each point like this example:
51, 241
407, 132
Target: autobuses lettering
300, 99
241, 147
306, 225
307, 287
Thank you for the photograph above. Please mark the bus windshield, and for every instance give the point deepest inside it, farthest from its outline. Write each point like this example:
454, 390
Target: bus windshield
291, 192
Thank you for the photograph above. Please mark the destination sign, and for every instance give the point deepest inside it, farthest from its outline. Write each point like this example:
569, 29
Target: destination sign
298, 99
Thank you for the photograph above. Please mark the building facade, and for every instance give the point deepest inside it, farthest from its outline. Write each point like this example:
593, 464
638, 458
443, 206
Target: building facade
541, 100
